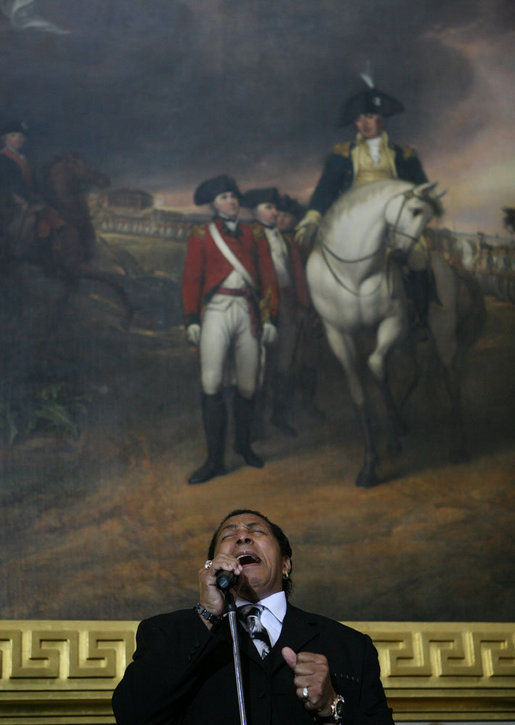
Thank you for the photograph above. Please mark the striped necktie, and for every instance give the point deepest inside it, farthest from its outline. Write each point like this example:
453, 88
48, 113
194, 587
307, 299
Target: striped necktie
250, 616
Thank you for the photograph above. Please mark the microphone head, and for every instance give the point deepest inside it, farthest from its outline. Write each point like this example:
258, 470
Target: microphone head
225, 580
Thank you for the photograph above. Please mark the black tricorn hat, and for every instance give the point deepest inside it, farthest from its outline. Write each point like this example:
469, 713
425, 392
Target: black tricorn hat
291, 206
370, 101
14, 127
254, 197
208, 190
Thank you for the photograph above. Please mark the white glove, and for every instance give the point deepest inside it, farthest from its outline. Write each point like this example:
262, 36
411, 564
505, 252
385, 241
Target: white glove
269, 335
306, 229
193, 334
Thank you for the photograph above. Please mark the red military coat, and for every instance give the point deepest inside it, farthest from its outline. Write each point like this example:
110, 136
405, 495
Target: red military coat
206, 268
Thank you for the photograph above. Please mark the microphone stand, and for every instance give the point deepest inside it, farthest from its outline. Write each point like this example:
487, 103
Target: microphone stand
230, 608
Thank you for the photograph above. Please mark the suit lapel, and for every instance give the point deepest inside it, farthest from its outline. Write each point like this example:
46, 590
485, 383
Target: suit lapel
299, 628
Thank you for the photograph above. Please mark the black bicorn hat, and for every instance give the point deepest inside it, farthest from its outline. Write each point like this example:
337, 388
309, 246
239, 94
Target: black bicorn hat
372, 100
254, 197
206, 192
291, 206
16, 126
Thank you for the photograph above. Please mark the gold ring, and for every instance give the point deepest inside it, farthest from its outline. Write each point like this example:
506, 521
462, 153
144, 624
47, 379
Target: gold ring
208, 564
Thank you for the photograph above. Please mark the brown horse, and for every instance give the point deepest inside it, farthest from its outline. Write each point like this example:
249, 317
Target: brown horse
67, 249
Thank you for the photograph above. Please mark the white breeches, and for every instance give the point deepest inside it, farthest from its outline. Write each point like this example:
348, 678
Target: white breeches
225, 339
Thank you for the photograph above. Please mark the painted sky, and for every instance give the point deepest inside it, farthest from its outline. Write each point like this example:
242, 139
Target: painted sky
162, 94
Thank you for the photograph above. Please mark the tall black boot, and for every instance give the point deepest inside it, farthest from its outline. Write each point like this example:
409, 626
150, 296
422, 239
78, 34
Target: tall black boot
258, 423
243, 417
419, 288
423, 290
214, 417
308, 381
283, 389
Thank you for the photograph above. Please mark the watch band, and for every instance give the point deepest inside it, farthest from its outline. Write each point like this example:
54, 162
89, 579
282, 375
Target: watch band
206, 614
336, 715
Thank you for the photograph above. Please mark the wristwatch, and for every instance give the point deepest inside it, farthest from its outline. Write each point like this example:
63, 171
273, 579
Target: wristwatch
337, 711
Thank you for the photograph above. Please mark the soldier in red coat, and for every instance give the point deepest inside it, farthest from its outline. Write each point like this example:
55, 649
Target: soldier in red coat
293, 301
230, 302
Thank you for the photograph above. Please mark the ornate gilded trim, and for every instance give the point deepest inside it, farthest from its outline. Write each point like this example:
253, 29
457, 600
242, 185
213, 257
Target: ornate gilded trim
63, 672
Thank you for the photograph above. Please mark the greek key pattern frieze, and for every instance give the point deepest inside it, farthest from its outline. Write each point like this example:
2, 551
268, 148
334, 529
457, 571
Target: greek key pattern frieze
447, 655
64, 654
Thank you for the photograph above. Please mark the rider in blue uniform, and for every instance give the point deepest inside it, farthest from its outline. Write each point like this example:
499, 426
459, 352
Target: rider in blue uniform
372, 156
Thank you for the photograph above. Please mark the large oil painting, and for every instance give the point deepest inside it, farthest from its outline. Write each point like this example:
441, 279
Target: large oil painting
125, 107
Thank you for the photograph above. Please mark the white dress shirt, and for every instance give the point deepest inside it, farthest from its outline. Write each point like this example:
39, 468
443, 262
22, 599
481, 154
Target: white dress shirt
273, 613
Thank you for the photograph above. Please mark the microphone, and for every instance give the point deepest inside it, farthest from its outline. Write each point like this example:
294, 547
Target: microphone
225, 580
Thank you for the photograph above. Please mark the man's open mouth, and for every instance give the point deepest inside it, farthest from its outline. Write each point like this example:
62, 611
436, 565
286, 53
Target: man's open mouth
247, 559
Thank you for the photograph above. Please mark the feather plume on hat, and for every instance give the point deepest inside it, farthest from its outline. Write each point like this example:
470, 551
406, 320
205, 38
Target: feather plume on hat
371, 100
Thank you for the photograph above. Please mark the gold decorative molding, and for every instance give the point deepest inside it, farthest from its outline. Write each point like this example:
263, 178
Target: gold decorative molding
63, 672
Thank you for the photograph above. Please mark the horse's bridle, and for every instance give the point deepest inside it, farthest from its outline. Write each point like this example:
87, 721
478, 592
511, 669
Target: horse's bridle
409, 194
392, 228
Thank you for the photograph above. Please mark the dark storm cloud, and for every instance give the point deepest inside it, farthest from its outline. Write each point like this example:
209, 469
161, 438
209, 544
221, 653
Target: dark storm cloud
167, 92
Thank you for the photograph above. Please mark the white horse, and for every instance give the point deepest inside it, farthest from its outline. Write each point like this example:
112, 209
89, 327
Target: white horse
356, 286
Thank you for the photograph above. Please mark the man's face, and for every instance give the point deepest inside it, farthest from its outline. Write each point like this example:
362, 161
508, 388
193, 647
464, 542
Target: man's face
15, 140
249, 539
285, 221
369, 125
227, 204
266, 213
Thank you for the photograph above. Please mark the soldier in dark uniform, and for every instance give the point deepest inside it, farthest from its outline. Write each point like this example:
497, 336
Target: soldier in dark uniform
371, 156
293, 301
311, 334
18, 188
15, 174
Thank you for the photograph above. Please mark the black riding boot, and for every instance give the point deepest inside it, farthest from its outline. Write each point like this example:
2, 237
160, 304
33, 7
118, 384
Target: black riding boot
422, 286
258, 423
214, 416
283, 389
243, 417
308, 381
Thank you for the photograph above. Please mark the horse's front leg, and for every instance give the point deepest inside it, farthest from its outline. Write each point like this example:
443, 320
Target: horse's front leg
345, 350
389, 333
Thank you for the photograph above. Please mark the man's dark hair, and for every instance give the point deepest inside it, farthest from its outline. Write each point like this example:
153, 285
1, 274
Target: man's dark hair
280, 536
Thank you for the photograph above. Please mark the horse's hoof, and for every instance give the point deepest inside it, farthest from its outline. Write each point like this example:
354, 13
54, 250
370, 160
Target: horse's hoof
366, 479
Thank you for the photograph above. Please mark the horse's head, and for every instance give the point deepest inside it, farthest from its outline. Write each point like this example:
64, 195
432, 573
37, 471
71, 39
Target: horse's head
408, 213
84, 173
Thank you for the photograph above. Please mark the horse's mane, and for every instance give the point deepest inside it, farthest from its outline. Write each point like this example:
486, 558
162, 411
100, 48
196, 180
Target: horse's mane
352, 201
47, 167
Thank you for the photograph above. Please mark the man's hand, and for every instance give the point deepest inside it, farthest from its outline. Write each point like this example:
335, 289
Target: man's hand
210, 596
193, 334
307, 228
312, 676
269, 335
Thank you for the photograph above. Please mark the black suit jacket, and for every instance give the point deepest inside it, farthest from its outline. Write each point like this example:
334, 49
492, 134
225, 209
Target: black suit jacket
183, 673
